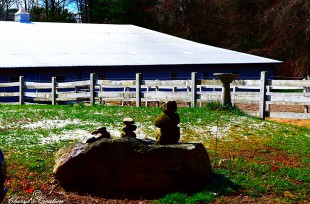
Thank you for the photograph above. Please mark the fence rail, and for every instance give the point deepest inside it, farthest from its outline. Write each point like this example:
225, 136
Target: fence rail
193, 92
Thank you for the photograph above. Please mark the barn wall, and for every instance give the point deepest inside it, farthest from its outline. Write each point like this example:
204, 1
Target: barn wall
251, 71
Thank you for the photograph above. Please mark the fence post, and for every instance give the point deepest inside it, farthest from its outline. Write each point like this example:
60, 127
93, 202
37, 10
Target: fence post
138, 89
92, 89
53, 90
194, 90
157, 101
306, 89
21, 90
262, 98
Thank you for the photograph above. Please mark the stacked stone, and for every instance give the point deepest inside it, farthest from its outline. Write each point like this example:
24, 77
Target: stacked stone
128, 130
99, 134
167, 121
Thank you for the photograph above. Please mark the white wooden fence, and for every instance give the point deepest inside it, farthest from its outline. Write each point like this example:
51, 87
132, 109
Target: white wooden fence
193, 92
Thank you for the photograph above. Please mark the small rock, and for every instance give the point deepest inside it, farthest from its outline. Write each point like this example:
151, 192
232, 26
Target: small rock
102, 129
128, 121
129, 128
166, 136
129, 134
164, 120
169, 107
100, 133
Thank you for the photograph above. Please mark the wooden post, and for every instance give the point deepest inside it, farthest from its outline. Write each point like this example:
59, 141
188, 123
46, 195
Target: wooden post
268, 89
53, 90
194, 90
92, 89
267, 107
306, 89
157, 102
306, 109
138, 89
262, 98
21, 90
146, 100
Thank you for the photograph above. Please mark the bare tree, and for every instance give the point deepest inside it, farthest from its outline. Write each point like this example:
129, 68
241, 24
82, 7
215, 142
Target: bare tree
50, 10
288, 35
5, 7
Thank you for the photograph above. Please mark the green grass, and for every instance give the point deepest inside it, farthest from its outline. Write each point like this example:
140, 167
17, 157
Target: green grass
250, 156
287, 90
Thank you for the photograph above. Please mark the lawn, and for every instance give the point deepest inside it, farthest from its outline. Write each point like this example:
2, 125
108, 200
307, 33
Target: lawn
253, 160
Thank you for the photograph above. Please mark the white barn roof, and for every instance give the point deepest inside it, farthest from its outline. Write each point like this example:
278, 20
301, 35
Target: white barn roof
62, 44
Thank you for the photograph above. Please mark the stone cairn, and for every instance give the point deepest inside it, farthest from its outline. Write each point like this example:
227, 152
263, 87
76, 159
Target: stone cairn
167, 121
99, 134
128, 130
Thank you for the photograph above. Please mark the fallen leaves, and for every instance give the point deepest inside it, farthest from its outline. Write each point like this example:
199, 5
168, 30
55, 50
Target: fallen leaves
273, 168
30, 190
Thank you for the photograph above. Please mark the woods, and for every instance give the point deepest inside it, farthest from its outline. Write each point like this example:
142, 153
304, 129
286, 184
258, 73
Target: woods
271, 28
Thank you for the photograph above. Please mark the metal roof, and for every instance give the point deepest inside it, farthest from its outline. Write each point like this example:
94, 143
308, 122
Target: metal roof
64, 44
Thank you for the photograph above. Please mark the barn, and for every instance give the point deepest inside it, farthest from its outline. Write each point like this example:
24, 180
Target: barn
39, 51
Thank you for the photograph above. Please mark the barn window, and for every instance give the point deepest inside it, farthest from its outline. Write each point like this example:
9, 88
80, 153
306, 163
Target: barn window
205, 75
60, 79
173, 76
14, 79
102, 77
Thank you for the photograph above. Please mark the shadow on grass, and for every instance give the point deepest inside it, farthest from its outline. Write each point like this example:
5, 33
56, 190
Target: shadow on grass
221, 185
218, 186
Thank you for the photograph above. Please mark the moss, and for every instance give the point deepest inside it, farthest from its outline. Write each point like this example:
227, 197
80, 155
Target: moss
169, 107
165, 121
168, 135
128, 134
65, 150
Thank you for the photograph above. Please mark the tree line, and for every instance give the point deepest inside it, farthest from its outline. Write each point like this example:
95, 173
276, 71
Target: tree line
277, 29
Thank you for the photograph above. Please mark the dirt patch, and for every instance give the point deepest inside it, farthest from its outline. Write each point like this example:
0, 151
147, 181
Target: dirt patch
280, 108
268, 199
274, 108
297, 122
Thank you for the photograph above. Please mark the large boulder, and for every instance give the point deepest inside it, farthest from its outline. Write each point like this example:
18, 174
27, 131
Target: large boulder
130, 166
